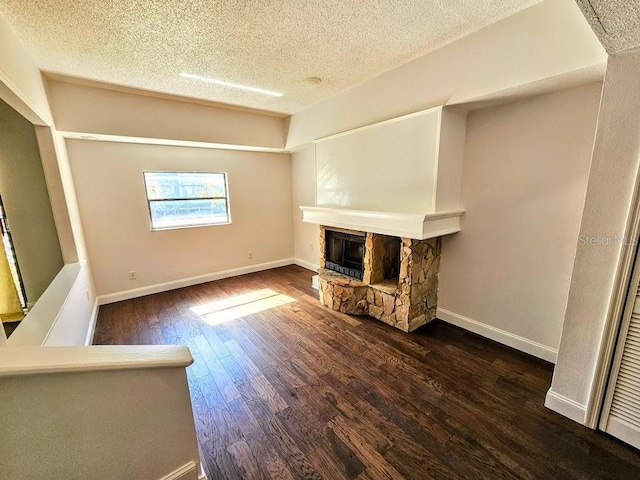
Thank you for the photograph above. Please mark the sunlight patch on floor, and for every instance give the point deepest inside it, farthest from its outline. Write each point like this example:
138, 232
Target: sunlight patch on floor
238, 306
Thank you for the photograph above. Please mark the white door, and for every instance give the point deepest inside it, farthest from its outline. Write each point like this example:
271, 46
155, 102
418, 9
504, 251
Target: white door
621, 410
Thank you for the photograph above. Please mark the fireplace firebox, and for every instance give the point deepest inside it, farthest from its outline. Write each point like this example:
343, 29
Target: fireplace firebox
345, 253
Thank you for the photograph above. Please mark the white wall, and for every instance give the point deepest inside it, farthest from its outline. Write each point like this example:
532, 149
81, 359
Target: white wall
20, 80
55, 186
64, 315
22, 87
26, 201
305, 235
506, 275
89, 109
114, 212
127, 417
544, 41
526, 165
387, 167
612, 193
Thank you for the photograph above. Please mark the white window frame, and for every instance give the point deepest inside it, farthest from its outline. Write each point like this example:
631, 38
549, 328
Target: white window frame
178, 227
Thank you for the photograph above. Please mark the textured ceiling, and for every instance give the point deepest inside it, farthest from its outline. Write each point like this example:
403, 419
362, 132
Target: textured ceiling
616, 22
270, 44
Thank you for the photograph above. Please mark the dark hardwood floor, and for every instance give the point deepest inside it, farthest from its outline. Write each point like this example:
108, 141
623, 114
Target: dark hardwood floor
293, 390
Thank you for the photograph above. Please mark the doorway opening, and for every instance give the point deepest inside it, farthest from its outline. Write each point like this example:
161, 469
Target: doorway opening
13, 297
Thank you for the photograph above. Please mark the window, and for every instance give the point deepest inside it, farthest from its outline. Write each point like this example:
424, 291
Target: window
186, 199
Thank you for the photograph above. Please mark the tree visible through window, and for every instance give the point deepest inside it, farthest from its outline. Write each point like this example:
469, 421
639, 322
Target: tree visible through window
186, 199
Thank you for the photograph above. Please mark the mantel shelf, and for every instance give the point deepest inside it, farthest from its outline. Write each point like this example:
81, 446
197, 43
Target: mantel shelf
418, 226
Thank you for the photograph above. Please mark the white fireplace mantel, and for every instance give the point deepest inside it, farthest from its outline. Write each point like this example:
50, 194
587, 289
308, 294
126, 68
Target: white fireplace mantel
418, 226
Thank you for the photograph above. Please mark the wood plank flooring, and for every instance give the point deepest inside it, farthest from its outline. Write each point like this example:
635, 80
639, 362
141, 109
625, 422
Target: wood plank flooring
289, 390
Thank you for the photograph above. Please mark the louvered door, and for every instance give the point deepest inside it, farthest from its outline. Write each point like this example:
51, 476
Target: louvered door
621, 412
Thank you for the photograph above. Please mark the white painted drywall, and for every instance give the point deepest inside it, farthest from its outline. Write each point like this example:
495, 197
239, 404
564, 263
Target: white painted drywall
548, 40
305, 235
612, 182
64, 313
74, 322
21, 86
55, 186
388, 167
76, 318
99, 424
26, 201
525, 174
88, 109
452, 132
113, 207
20, 80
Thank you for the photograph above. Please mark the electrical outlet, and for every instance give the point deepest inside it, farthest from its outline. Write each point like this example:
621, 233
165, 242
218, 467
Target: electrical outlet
250, 254
311, 245
132, 275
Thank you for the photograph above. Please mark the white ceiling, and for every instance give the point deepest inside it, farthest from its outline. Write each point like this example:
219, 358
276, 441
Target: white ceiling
268, 44
616, 22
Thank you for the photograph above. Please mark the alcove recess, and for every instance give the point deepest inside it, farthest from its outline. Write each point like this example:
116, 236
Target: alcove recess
396, 183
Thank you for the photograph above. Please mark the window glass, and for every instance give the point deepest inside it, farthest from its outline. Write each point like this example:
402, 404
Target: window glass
186, 199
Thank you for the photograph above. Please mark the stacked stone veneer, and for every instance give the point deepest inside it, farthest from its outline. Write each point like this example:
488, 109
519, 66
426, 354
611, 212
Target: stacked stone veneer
406, 301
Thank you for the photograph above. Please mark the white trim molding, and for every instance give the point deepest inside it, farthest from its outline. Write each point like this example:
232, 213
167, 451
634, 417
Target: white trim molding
92, 323
21, 361
201, 474
308, 265
102, 137
401, 118
43, 316
565, 407
189, 281
506, 338
418, 226
21, 102
188, 471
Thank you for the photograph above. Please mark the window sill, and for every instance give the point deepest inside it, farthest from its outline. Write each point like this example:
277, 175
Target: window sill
183, 227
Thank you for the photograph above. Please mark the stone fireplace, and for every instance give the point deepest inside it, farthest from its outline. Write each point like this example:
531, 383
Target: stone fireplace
396, 282
409, 198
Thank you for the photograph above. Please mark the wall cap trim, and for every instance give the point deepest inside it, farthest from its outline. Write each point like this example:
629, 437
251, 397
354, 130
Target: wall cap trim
19, 361
35, 328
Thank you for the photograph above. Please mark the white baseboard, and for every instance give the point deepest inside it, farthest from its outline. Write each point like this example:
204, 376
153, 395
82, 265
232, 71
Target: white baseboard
304, 264
515, 341
201, 474
566, 407
187, 282
92, 323
188, 471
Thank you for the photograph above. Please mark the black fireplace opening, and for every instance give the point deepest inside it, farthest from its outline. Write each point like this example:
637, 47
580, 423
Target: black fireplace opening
344, 253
